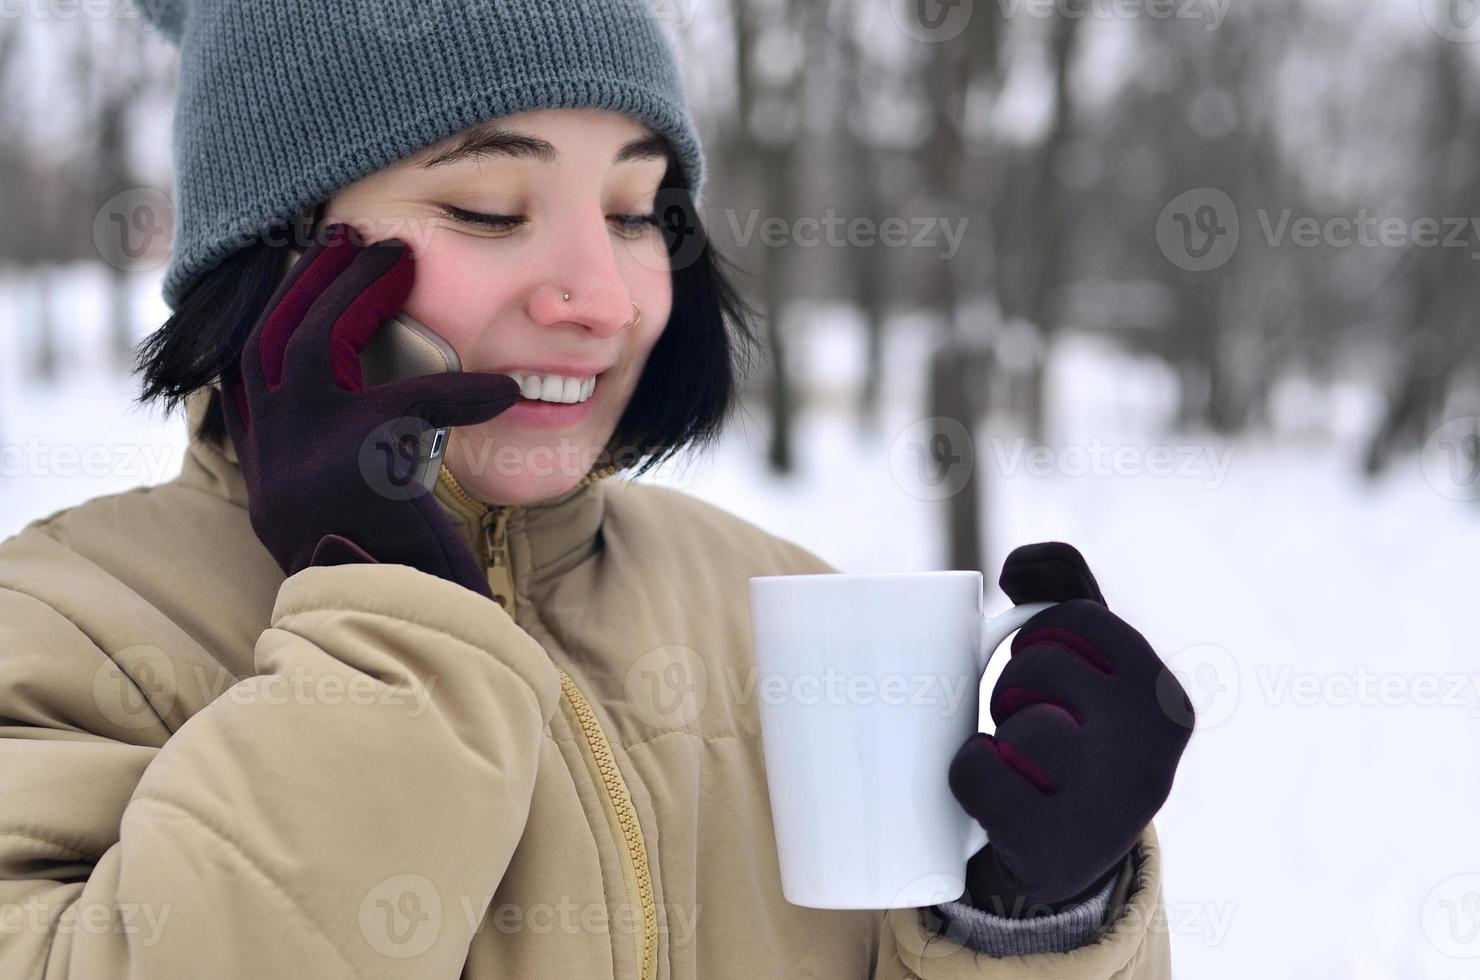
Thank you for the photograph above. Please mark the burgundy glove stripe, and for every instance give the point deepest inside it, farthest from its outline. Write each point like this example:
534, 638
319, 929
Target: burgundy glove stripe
353, 329
1073, 642
336, 549
1013, 698
1055, 673
318, 273
239, 394
1021, 765
308, 357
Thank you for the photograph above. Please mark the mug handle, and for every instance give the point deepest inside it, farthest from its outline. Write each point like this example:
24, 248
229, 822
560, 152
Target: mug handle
994, 630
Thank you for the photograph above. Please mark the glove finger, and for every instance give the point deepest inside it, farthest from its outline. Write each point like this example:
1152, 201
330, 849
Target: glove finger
461, 398
265, 353
1095, 634
1104, 793
1047, 674
1044, 746
1100, 637
988, 788
1051, 571
339, 324
1063, 837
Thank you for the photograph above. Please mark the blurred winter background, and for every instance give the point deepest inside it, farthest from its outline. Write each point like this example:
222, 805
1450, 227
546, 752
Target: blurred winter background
1191, 284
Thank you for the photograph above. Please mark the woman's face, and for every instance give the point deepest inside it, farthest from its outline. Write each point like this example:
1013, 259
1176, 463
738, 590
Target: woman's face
503, 219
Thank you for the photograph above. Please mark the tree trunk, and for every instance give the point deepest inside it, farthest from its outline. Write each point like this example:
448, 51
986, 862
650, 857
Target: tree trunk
45, 359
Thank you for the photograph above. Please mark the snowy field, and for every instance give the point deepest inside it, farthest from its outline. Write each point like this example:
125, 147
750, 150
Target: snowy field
1324, 626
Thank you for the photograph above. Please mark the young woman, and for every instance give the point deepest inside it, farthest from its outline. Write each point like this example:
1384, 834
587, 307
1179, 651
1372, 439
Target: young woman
276, 718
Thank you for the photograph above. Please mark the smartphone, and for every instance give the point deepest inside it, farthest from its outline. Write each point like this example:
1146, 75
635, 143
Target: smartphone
404, 347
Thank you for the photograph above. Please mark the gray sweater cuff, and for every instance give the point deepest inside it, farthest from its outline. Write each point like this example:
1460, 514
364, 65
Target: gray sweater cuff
996, 935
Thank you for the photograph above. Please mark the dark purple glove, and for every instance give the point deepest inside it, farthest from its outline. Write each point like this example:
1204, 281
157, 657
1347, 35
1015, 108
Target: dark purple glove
1090, 726
318, 452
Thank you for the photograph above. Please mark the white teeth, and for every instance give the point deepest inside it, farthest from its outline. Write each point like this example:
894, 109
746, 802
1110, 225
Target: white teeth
554, 388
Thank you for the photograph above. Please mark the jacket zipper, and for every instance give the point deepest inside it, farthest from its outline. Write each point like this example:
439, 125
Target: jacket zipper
496, 542
494, 520
616, 790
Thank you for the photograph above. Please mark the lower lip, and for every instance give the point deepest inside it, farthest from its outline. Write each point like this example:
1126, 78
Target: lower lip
551, 415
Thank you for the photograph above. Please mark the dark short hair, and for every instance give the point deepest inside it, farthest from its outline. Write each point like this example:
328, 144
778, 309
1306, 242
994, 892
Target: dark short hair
688, 386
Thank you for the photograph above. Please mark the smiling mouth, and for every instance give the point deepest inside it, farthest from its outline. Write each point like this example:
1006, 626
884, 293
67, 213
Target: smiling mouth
554, 389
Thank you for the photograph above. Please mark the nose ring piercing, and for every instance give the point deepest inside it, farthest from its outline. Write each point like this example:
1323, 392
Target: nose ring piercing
636, 311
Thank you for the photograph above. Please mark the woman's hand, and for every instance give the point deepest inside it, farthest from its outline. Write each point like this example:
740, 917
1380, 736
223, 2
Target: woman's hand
309, 438
1090, 727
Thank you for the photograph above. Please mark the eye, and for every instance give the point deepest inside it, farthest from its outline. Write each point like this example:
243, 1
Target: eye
493, 222
631, 225
635, 224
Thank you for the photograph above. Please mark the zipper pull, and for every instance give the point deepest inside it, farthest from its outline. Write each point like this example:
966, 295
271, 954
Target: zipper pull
496, 540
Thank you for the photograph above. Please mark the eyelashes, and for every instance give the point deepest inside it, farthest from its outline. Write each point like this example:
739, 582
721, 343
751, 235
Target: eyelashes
629, 223
498, 222
636, 222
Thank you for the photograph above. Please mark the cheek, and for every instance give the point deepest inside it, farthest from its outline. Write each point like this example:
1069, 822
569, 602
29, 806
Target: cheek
457, 292
645, 337
653, 291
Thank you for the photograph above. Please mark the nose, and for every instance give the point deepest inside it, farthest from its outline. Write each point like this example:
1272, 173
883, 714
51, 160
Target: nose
583, 263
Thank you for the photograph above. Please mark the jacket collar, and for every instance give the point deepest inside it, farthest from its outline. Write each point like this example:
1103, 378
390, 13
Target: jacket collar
545, 538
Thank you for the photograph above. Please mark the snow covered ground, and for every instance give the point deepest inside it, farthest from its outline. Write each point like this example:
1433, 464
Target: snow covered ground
1324, 627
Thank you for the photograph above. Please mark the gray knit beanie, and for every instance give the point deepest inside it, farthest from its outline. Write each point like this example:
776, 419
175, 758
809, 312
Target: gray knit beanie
281, 103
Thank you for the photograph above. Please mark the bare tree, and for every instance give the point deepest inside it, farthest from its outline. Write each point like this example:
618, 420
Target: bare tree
116, 69
866, 280
956, 365
1441, 328
1035, 220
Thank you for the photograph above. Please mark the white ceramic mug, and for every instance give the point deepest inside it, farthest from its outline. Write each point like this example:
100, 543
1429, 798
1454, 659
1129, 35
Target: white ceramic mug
867, 685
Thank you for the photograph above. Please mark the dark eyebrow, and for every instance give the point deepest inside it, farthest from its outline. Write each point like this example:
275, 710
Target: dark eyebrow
493, 141
649, 147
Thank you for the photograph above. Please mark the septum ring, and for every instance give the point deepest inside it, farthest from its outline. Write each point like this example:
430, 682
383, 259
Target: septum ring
636, 313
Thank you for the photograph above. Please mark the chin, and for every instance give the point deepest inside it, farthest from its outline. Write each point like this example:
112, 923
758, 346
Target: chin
518, 489
484, 463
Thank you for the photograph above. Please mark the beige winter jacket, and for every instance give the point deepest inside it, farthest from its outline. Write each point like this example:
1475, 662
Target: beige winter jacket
209, 771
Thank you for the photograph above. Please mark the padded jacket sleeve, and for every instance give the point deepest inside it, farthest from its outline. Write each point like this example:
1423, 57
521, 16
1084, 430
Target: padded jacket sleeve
347, 811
